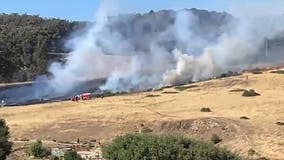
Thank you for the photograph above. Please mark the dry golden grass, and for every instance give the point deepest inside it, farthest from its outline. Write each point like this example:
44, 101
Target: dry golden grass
108, 117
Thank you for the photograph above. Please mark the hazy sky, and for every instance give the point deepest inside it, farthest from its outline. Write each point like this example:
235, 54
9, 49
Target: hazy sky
85, 9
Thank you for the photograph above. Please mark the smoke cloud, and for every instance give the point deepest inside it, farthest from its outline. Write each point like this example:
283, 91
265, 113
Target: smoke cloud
138, 52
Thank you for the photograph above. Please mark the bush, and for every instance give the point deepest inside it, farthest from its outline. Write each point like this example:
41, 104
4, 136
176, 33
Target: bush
250, 93
251, 152
162, 147
152, 95
38, 150
205, 110
5, 145
278, 71
215, 139
72, 155
244, 117
183, 88
280, 123
169, 92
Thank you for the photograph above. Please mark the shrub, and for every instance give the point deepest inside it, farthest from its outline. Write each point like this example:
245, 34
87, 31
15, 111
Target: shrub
169, 92
156, 147
38, 150
205, 110
215, 139
244, 117
72, 155
250, 93
183, 88
262, 158
5, 145
152, 95
280, 123
251, 152
237, 90
146, 130
53, 157
278, 71
256, 72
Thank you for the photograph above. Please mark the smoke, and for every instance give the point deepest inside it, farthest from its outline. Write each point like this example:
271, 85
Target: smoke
139, 52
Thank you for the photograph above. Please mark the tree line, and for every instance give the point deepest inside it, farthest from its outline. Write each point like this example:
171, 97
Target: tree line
25, 44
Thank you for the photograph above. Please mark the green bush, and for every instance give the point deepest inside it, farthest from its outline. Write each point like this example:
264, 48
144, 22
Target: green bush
162, 147
251, 152
72, 155
244, 117
38, 150
250, 93
215, 139
205, 110
5, 145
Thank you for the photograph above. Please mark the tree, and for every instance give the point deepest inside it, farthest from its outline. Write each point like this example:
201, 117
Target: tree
156, 147
5, 145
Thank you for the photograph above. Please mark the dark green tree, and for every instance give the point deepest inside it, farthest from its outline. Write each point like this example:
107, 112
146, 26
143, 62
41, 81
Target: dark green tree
5, 145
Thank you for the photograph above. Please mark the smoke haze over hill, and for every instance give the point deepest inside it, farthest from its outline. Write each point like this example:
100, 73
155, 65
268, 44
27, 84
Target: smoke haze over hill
165, 48
135, 52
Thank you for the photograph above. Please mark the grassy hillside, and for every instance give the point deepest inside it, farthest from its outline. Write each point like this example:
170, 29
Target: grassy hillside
243, 123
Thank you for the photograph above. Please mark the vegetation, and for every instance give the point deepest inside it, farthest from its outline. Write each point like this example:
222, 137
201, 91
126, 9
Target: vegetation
5, 145
205, 110
162, 88
169, 92
72, 155
25, 42
183, 88
280, 123
216, 139
256, 72
237, 90
251, 152
229, 74
152, 95
38, 150
250, 93
155, 147
146, 130
278, 71
244, 117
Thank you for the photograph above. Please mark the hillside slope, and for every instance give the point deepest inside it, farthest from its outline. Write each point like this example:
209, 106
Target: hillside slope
171, 110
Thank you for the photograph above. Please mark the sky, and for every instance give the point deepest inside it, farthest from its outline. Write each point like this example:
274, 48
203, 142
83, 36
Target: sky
84, 10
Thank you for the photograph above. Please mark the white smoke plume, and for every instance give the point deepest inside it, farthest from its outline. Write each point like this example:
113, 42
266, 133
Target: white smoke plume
133, 60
